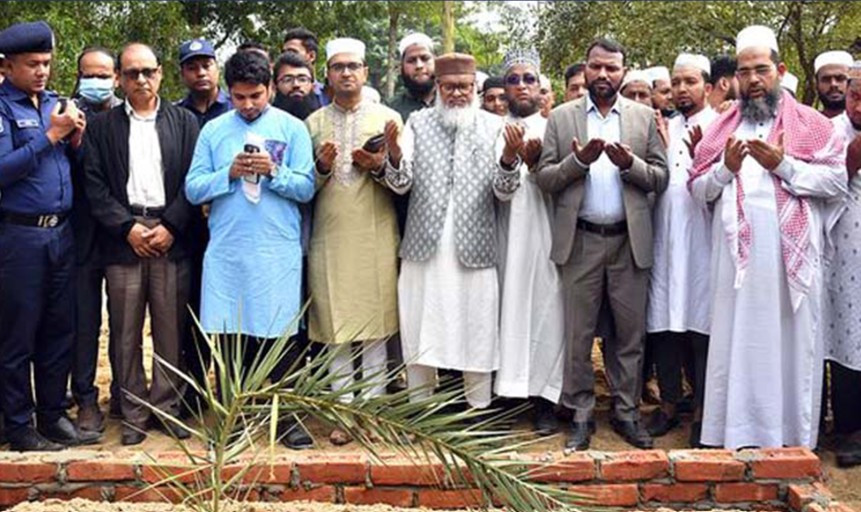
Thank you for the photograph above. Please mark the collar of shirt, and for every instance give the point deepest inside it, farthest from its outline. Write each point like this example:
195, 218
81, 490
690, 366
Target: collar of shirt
221, 99
353, 110
265, 111
130, 111
590, 105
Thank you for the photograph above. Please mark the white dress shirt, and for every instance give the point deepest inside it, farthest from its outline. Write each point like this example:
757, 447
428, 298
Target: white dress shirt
602, 198
146, 173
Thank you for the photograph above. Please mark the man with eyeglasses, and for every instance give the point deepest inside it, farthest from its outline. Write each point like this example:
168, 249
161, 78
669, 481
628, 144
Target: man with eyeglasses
303, 43
603, 161
353, 252
772, 170
294, 86
39, 139
136, 158
531, 331
831, 69
844, 291
457, 162
94, 93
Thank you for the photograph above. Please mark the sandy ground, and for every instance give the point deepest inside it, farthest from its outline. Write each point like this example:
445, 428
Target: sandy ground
846, 484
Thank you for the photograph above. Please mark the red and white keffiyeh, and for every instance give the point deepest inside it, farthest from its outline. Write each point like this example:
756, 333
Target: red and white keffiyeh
809, 137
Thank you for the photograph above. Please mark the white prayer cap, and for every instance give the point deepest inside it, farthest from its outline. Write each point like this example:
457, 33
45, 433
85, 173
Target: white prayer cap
480, 77
691, 60
370, 94
544, 82
345, 45
415, 38
636, 75
755, 36
657, 73
789, 82
838, 57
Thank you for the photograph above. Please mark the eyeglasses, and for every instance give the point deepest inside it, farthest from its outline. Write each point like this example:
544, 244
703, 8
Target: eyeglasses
297, 79
526, 78
340, 67
451, 87
134, 74
760, 71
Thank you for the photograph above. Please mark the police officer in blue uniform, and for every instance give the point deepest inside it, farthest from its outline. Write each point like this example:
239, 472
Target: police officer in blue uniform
38, 135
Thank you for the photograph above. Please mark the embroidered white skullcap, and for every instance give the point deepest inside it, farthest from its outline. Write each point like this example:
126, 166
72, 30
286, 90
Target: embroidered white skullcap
789, 82
691, 60
413, 39
636, 75
527, 56
657, 73
345, 45
833, 57
544, 82
755, 36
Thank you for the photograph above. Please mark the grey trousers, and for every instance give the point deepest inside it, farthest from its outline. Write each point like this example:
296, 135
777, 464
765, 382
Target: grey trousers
599, 265
163, 285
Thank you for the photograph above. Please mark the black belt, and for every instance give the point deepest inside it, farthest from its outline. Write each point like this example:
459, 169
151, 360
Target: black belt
617, 228
147, 212
50, 220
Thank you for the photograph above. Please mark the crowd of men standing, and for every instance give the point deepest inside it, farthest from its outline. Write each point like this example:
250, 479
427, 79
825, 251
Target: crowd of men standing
698, 219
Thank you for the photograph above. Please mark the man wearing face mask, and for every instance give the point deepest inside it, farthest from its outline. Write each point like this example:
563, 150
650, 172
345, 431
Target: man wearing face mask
94, 93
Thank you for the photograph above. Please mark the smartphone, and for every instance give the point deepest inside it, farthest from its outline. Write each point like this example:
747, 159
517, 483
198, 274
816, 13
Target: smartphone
375, 143
64, 103
253, 178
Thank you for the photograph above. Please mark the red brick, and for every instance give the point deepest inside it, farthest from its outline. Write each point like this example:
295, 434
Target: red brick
675, 493
99, 471
324, 493
158, 474
786, 463
395, 470
706, 466
799, 495
608, 495
743, 491
815, 507
13, 496
89, 492
839, 507
333, 468
375, 495
29, 472
576, 467
463, 498
146, 494
639, 465
278, 473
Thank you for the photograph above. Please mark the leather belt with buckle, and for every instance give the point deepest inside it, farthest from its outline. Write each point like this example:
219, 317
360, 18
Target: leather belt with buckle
147, 212
615, 229
50, 220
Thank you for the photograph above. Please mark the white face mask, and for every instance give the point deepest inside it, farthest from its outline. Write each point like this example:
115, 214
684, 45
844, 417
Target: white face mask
96, 90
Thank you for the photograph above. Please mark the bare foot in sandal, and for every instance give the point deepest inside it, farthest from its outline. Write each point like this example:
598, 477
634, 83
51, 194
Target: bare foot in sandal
339, 438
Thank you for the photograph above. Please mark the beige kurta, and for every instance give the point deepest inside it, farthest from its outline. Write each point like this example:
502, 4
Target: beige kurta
352, 258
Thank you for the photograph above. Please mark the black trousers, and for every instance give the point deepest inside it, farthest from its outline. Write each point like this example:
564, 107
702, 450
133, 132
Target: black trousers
37, 321
670, 351
845, 399
196, 354
251, 346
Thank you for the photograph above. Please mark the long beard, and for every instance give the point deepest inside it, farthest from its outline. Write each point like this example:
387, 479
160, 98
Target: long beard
832, 105
298, 107
456, 117
418, 89
761, 109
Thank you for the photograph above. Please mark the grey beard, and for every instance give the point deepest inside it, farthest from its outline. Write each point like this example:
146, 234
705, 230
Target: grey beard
523, 109
456, 117
761, 109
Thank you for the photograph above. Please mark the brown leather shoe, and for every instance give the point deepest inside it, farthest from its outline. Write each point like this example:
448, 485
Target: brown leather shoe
90, 418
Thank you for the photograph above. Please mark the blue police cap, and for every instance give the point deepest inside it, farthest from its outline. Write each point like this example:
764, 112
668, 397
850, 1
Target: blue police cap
195, 48
29, 37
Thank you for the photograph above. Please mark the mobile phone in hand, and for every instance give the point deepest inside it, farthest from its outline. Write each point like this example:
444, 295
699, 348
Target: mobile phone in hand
64, 103
252, 178
375, 143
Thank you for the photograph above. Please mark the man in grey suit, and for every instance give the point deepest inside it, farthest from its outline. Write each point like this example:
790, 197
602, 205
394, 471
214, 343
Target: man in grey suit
602, 159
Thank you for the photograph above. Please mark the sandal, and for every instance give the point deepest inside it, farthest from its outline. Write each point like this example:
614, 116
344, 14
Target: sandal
339, 438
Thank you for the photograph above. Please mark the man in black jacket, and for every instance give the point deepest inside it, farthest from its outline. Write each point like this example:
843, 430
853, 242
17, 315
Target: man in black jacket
136, 158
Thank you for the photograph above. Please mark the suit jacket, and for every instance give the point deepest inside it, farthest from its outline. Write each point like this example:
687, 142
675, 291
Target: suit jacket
106, 168
559, 174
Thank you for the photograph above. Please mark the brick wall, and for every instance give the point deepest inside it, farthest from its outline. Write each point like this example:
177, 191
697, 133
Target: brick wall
787, 479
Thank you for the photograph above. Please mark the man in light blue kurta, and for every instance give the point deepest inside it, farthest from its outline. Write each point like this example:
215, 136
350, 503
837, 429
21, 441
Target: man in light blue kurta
252, 268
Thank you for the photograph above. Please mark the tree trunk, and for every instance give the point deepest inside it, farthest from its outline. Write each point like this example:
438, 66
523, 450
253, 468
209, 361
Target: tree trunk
448, 26
393, 57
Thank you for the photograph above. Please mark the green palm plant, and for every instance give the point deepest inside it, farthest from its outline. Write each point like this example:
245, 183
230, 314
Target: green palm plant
245, 409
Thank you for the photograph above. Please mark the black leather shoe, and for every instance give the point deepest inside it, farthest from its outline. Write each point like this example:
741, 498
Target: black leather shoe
63, 431
544, 419
694, 437
90, 419
29, 440
115, 411
294, 436
685, 405
132, 436
848, 453
579, 435
633, 433
659, 423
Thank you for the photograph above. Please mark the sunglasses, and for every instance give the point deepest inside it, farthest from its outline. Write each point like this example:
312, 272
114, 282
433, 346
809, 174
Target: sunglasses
134, 74
526, 78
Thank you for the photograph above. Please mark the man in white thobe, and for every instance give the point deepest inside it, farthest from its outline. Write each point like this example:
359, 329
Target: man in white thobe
448, 157
677, 317
843, 346
772, 168
531, 330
